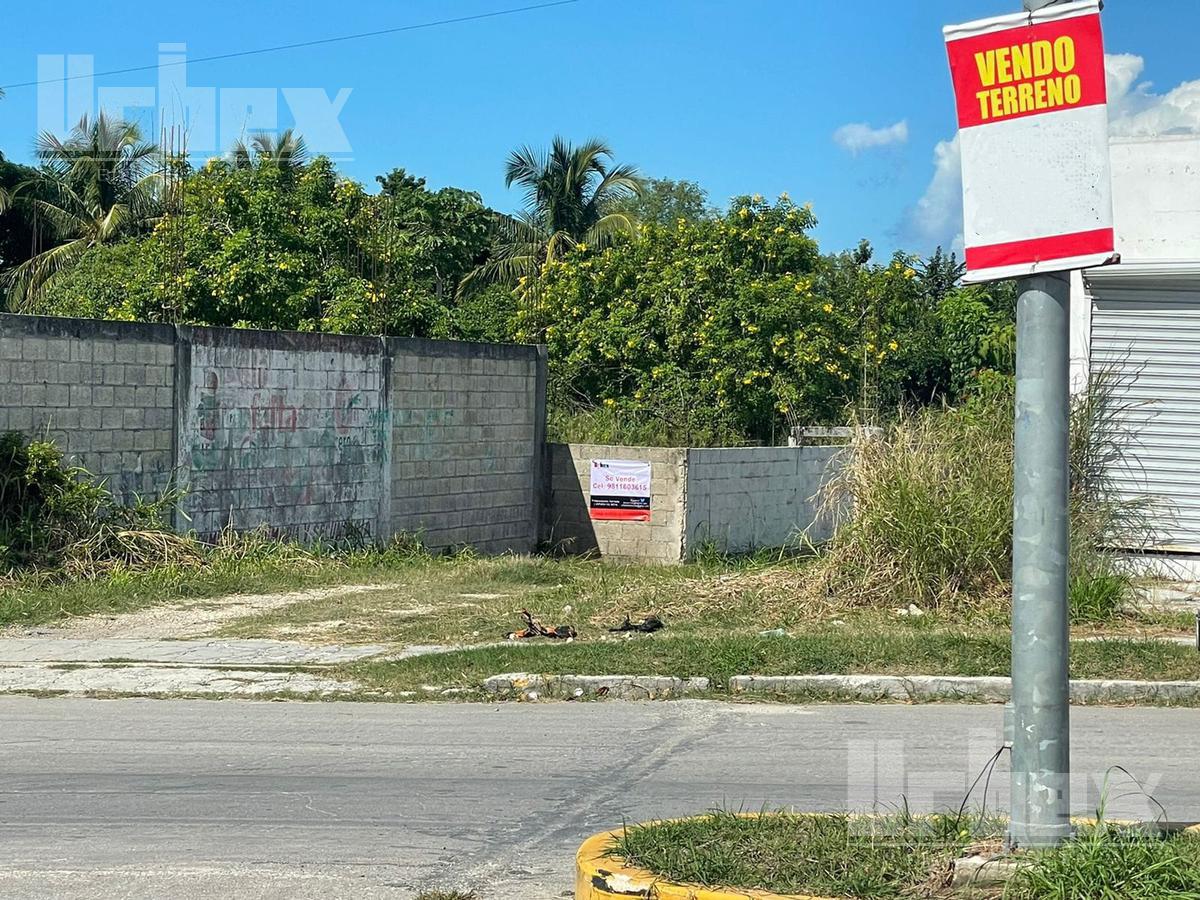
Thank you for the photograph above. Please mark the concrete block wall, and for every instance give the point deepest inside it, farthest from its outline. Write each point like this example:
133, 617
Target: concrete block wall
746, 498
467, 424
736, 500
102, 391
569, 528
283, 430
303, 434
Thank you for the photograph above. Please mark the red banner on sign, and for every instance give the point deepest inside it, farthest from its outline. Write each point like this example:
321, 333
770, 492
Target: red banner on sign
1028, 71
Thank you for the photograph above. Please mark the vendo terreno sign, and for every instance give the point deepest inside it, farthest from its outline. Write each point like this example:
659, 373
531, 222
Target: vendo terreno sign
1033, 132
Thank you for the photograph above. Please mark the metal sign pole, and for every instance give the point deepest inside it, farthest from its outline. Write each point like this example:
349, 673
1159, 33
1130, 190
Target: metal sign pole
1041, 752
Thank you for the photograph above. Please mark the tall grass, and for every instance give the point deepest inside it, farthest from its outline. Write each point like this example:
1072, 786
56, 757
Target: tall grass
927, 508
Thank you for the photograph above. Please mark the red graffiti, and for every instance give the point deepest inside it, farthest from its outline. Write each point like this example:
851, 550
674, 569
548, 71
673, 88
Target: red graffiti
274, 415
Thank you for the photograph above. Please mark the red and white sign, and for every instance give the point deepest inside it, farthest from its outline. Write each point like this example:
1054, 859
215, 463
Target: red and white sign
1033, 131
620, 489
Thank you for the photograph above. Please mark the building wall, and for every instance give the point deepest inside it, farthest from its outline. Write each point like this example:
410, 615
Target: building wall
302, 434
746, 498
1156, 216
468, 421
103, 392
567, 523
1156, 197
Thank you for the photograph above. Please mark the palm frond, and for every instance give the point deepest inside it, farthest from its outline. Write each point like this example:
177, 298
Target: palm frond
26, 282
98, 184
608, 227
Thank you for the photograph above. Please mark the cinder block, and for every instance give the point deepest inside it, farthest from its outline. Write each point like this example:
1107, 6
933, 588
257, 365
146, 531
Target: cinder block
127, 352
33, 348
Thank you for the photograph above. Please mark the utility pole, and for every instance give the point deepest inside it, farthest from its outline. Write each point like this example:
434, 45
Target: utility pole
1037, 205
1041, 711
1041, 748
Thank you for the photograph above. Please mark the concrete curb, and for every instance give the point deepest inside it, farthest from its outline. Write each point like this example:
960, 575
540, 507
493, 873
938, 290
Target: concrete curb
598, 877
853, 687
621, 687
937, 687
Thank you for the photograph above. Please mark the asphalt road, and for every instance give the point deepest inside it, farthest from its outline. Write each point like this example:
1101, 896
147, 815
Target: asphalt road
240, 799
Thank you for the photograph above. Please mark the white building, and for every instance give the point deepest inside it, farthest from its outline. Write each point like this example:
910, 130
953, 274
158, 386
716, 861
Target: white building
1140, 321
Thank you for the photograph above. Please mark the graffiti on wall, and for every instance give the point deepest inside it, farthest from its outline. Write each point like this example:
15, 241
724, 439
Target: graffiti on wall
253, 431
284, 446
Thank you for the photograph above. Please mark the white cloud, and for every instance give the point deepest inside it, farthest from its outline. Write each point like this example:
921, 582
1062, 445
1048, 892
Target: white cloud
859, 136
936, 219
1134, 109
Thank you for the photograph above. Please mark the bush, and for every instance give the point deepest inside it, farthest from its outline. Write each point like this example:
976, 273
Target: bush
932, 508
55, 516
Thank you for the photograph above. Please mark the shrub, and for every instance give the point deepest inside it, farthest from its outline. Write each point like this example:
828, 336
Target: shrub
931, 501
55, 515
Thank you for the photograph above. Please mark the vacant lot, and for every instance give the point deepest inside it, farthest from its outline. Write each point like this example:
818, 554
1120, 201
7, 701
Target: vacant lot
721, 618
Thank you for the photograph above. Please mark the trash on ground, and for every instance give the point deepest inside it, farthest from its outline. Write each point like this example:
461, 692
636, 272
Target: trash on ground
647, 626
533, 628
775, 632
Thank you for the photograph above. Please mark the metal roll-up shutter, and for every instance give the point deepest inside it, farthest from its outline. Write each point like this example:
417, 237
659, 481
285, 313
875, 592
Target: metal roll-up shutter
1148, 341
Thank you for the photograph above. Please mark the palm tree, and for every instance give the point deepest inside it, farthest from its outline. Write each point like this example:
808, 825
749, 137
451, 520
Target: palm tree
288, 150
99, 185
573, 196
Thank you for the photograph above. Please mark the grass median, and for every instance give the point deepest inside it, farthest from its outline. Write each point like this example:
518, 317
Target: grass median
906, 856
844, 651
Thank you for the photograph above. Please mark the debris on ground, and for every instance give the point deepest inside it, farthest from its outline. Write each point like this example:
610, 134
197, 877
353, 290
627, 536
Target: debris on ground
649, 625
534, 628
775, 632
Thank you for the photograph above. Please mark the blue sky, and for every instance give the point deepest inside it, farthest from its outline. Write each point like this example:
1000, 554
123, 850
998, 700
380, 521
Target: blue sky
743, 96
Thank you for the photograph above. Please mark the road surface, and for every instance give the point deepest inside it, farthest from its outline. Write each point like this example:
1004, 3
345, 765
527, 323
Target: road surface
241, 799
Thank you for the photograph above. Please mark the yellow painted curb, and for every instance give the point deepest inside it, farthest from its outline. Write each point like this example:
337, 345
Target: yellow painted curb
599, 877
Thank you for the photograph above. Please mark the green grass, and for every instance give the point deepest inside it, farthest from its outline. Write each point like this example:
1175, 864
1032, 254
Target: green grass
832, 855
905, 856
1109, 861
37, 599
843, 651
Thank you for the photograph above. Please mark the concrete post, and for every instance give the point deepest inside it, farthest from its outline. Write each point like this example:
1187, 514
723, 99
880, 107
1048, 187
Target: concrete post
1041, 800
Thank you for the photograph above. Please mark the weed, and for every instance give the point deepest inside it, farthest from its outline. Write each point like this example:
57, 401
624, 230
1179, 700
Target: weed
927, 508
55, 516
1109, 860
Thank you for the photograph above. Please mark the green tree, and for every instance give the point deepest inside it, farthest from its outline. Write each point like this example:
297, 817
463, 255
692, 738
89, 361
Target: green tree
714, 330
573, 197
267, 246
664, 201
286, 150
940, 274
99, 185
19, 237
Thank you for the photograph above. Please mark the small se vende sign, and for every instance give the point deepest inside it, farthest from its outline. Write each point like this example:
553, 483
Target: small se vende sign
1033, 133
